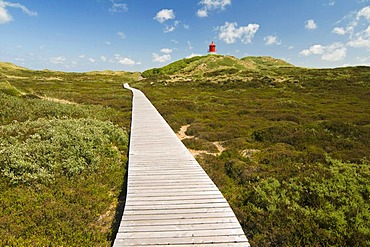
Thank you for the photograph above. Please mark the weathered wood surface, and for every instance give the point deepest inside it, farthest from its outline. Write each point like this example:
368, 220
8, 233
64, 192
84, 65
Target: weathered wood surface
170, 199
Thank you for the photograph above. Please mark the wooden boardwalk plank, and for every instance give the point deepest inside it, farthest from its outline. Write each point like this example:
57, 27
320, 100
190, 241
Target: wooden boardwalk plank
170, 199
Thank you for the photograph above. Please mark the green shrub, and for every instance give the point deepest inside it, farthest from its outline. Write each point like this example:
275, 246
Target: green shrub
200, 144
330, 206
42, 150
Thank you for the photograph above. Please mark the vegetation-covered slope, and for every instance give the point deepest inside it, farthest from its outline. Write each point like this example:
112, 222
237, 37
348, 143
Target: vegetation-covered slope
297, 141
62, 156
295, 167
213, 65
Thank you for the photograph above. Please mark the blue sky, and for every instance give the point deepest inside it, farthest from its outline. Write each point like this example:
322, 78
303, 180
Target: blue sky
134, 35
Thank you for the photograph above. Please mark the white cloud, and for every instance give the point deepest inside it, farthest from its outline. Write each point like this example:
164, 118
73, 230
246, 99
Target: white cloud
169, 29
5, 17
215, 4
126, 61
103, 58
166, 50
161, 59
230, 32
315, 49
211, 5
194, 55
92, 60
360, 42
331, 3
271, 40
365, 12
202, 13
107, 43
358, 28
58, 60
164, 15
311, 24
118, 7
334, 52
82, 56
361, 38
339, 30
122, 35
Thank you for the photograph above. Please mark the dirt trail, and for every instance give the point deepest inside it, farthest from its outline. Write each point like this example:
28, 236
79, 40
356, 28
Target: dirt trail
182, 135
62, 101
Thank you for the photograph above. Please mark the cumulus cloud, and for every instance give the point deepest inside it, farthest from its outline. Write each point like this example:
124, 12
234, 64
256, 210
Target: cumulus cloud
194, 55
365, 12
92, 60
334, 52
339, 30
358, 28
124, 60
103, 58
211, 5
58, 60
5, 16
311, 24
271, 40
315, 49
166, 50
230, 32
118, 7
202, 13
361, 39
161, 59
122, 35
165, 15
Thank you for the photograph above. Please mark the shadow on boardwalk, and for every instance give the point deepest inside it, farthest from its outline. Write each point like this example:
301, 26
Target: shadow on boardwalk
119, 209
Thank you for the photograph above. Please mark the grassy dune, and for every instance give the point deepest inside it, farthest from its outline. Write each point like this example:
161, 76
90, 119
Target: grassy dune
295, 167
63, 152
297, 143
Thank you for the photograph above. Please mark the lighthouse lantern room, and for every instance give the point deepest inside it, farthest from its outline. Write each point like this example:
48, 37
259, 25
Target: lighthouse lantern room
212, 48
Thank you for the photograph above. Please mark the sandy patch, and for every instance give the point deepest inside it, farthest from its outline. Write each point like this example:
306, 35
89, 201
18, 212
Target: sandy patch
62, 101
182, 133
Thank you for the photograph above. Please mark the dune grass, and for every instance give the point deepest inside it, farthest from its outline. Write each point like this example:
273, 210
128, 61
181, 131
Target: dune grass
63, 155
297, 147
295, 169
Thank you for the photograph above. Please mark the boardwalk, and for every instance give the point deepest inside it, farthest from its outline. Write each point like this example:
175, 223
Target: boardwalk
170, 199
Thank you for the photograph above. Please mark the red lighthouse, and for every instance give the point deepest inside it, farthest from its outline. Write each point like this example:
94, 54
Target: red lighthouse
212, 48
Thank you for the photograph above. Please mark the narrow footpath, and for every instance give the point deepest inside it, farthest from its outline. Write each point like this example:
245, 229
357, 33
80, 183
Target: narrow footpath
170, 201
